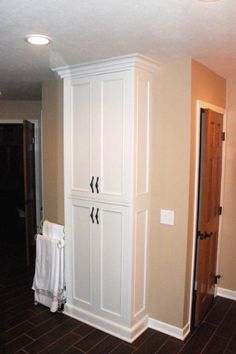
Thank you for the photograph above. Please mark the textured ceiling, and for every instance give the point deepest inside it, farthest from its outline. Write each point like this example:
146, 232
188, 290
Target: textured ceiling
84, 30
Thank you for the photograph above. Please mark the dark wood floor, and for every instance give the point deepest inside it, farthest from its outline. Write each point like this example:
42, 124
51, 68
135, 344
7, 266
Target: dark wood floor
26, 328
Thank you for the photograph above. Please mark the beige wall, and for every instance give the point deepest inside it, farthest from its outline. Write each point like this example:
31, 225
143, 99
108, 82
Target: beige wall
170, 188
227, 265
207, 86
20, 110
179, 85
52, 158
211, 88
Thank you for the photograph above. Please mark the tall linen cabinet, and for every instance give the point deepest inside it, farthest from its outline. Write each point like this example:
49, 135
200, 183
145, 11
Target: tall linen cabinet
107, 121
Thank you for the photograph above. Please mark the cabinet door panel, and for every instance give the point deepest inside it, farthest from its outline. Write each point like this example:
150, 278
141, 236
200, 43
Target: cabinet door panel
82, 142
140, 261
114, 150
111, 257
82, 253
142, 135
113, 288
112, 142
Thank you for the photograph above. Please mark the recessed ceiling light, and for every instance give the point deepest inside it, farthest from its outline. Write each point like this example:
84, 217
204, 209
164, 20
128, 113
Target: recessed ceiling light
37, 39
208, 0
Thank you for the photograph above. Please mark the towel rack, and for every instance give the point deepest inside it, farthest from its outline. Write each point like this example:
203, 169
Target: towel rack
37, 285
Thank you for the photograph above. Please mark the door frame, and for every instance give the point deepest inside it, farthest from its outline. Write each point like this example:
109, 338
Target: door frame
204, 105
38, 167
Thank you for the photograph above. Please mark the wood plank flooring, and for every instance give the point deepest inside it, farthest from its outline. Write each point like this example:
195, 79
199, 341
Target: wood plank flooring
26, 328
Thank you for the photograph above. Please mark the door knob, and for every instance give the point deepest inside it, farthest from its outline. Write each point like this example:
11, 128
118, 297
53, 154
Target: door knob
208, 234
204, 235
201, 235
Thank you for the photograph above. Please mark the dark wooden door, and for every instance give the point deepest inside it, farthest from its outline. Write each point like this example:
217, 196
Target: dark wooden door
208, 215
29, 187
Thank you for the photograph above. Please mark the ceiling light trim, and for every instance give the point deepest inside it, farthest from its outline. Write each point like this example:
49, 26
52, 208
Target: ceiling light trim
209, 0
38, 39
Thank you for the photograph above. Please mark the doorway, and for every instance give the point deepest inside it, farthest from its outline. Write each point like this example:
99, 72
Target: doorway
17, 191
208, 212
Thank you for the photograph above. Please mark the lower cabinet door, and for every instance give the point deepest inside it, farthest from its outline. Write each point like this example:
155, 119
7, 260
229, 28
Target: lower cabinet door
83, 246
113, 262
101, 259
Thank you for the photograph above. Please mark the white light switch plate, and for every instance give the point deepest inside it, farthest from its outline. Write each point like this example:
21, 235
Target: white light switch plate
167, 217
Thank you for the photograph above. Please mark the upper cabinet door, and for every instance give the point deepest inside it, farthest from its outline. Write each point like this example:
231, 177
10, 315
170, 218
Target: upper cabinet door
82, 176
114, 141
101, 134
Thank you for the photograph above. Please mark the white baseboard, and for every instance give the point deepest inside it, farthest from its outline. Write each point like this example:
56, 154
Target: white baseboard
180, 333
118, 330
129, 334
228, 294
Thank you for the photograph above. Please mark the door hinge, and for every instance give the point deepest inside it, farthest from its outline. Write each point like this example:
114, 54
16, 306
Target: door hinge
218, 276
33, 140
220, 210
223, 136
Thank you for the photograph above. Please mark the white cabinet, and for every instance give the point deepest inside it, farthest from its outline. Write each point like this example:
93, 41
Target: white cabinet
100, 143
107, 122
99, 238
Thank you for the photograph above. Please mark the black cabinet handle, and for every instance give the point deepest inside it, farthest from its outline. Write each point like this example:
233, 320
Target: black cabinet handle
96, 184
96, 216
91, 184
91, 215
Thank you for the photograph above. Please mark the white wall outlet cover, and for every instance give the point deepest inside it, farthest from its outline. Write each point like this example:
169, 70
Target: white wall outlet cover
167, 217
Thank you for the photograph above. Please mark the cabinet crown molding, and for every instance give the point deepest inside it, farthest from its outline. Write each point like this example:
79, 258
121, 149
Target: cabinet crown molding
109, 65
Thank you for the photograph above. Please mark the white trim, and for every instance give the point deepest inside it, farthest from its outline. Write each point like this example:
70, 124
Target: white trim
180, 333
213, 107
202, 104
109, 65
41, 162
129, 334
37, 154
144, 294
228, 294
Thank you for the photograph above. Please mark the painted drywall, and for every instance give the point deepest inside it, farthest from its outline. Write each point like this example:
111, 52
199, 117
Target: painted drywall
170, 190
209, 87
179, 85
52, 152
15, 110
227, 264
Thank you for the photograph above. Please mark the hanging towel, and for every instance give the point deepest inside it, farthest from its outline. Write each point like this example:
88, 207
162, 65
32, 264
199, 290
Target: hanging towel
53, 230
48, 280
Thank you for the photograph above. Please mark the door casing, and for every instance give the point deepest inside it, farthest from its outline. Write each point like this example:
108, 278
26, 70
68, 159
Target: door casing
204, 105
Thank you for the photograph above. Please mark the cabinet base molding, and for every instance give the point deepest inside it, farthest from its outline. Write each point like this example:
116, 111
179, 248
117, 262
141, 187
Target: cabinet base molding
228, 294
129, 334
180, 333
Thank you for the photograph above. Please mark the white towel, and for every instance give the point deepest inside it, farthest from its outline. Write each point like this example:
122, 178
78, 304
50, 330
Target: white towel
53, 230
48, 280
